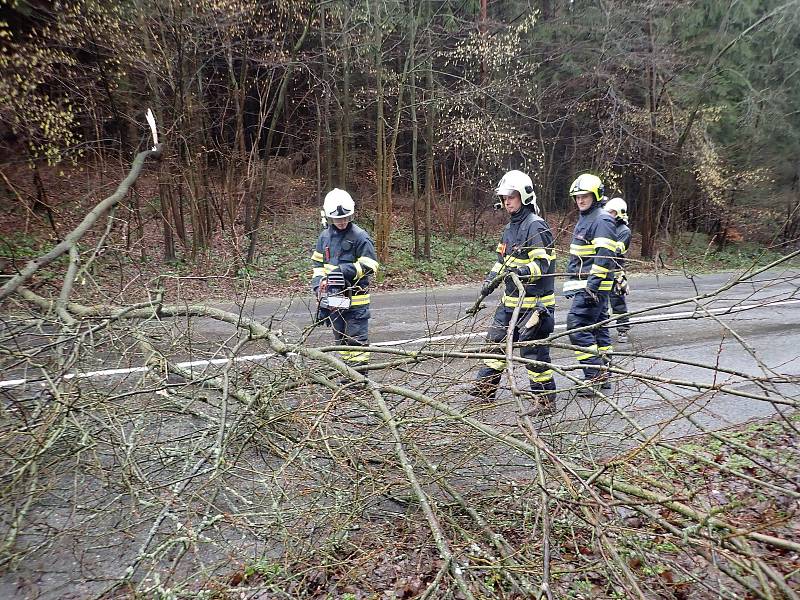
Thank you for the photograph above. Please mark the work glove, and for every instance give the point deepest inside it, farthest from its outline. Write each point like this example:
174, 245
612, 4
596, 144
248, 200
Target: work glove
487, 288
522, 272
536, 316
621, 284
591, 296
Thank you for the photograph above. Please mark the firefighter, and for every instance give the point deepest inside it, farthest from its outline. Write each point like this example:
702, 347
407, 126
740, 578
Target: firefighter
344, 261
526, 248
590, 277
618, 209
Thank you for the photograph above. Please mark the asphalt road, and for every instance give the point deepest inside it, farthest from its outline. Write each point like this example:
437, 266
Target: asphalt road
402, 315
751, 328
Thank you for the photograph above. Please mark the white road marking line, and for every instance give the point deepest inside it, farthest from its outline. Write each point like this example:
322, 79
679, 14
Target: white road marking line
438, 338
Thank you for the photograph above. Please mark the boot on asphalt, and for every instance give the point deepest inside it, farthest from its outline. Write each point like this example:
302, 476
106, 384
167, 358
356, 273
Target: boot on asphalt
484, 389
543, 404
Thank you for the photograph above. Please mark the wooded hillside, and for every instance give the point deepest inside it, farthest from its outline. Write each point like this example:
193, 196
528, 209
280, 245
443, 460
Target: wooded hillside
686, 108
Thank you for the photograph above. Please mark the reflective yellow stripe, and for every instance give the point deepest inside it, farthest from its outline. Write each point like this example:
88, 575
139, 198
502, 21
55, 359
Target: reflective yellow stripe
359, 270
605, 286
604, 349
317, 256
538, 253
368, 262
542, 377
529, 301
318, 272
524, 262
535, 270
601, 272
621, 248
354, 356
581, 250
607, 243
329, 268
359, 300
497, 365
588, 352
359, 357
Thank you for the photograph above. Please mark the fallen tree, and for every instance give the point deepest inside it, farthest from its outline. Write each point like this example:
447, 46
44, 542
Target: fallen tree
143, 457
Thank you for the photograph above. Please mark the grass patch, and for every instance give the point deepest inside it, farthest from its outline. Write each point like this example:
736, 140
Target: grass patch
285, 260
696, 253
17, 245
456, 259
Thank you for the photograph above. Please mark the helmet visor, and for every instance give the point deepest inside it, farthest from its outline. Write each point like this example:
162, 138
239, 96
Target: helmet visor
339, 211
505, 191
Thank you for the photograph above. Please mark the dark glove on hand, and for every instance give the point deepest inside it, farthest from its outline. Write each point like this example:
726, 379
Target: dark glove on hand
487, 288
522, 272
621, 285
592, 296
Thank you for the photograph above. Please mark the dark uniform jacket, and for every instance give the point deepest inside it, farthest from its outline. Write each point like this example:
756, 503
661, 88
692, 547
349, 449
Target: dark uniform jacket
527, 246
623, 233
350, 251
592, 251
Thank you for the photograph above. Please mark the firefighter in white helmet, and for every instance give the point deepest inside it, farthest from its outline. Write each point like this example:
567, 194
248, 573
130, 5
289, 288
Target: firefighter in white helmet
344, 261
526, 249
618, 208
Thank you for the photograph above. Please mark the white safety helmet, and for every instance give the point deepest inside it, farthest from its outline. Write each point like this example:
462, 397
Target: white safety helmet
338, 204
619, 206
517, 181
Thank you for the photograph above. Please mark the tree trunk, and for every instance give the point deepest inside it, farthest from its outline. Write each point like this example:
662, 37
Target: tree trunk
414, 162
152, 83
650, 224
252, 227
325, 125
431, 145
382, 216
343, 124
647, 224
392, 150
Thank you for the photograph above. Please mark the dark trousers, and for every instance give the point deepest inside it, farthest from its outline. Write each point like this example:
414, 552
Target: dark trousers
540, 376
350, 328
584, 312
619, 307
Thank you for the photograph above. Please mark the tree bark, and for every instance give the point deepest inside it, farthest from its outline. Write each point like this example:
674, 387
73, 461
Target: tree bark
252, 227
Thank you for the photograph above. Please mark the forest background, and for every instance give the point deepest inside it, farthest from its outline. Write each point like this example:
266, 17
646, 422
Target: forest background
687, 109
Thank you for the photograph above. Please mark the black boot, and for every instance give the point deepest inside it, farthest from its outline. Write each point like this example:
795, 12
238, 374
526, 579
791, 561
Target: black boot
544, 403
485, 388
605, 382
590, 387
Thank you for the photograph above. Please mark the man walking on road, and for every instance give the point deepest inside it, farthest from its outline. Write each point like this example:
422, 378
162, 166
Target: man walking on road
618, 209
344, 261
591, 275
526, 249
